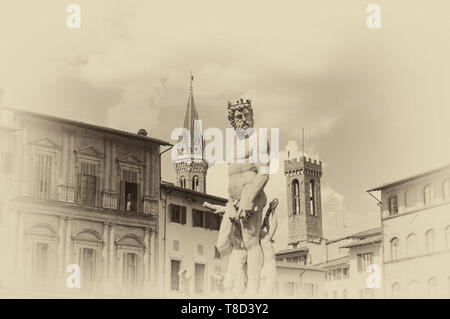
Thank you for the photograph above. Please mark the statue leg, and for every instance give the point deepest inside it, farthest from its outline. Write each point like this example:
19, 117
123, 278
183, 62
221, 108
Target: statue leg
234, 281
250, 235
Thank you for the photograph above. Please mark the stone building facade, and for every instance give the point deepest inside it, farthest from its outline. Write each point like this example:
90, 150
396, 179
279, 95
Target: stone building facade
415, 219
78, 194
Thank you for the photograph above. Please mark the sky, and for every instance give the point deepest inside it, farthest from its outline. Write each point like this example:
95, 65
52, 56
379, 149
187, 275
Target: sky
374, 103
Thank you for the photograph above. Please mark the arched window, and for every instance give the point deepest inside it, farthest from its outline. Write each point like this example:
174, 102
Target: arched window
447, 236
295, 197
395, 248
396, 290
312, 198
429, 237
195, 186
446, 189
393, 205
432, 287
183, 181
411, 245
413, 289
428, 194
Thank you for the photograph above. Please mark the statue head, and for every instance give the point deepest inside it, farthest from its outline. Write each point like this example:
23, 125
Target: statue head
240, 114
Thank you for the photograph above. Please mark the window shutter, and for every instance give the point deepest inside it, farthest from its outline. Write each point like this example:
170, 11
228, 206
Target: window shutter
122, 196
183, 215
98, 199
79, 188
138, 198
359, 256
171, 212
194, 218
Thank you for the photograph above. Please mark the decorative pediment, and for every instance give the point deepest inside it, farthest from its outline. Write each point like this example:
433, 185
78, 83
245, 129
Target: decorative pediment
88, 235
90, 151
130, 159
130, 240
42, 229
46, 143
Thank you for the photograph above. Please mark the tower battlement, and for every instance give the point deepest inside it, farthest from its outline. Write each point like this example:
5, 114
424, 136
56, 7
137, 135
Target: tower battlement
295, 165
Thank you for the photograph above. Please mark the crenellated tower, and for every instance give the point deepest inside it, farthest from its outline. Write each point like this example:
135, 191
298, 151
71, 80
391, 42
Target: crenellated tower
304, 203
191, 168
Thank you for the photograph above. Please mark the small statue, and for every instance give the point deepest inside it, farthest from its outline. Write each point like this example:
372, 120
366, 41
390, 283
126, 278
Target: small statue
129, 202
185, 279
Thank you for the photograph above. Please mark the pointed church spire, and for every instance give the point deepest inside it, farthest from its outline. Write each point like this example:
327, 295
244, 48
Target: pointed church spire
191, 172
191, 115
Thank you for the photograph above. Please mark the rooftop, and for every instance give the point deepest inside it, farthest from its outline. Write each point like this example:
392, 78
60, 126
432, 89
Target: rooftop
88, 126
410, 178
335, 262
292, 251
362, 242
284, 264
172, 186
359, 235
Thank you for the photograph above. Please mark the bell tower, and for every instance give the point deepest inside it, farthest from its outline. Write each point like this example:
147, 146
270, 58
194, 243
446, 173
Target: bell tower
304, 203
191, 168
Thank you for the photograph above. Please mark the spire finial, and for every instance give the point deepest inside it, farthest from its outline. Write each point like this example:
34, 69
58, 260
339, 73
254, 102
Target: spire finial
303, 141
192, 80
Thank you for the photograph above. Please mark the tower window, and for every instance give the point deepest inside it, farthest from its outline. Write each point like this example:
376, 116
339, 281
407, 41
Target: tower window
312, 198
393, 205
195, 183
183, 181
295, 197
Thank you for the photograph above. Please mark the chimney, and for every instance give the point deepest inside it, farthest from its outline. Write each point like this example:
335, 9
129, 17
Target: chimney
142, 132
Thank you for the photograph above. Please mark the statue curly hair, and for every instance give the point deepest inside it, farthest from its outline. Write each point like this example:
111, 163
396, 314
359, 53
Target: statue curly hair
240, 114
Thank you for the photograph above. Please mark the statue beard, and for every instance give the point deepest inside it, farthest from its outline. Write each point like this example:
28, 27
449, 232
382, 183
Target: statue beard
243, 128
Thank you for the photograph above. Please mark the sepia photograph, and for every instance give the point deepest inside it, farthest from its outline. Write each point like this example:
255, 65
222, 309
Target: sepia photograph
224, 155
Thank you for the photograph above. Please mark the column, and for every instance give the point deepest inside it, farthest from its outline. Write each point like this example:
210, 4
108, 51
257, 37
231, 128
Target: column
147, 181
152, 256
70, 181
105, 249
112, 247
63, 168
18, 149
68, 242
146, 253
113, 175
27, 181
106, 175
60, 249
20, 247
